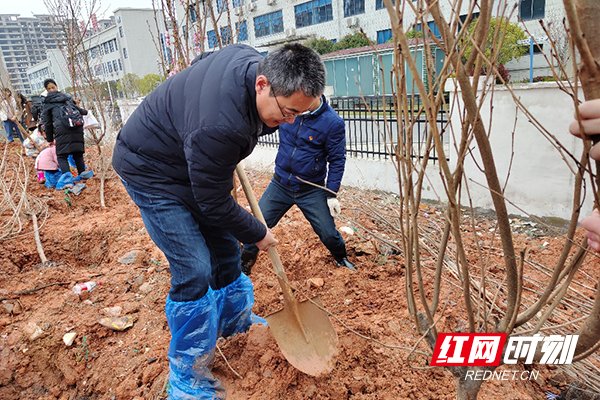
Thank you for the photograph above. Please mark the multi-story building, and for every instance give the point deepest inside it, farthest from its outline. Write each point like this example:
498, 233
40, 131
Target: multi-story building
126, 46
54, 66
115, 47
266, 24
23, 43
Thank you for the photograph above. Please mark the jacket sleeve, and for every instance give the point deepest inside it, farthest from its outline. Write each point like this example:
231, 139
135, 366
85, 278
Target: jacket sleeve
82, 111
48, 123
336, 154
212, 155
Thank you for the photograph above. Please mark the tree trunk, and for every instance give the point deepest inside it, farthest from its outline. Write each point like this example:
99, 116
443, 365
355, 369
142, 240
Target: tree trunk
467, 389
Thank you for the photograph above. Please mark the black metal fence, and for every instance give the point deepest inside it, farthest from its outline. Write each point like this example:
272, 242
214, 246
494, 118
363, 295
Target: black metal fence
372, 128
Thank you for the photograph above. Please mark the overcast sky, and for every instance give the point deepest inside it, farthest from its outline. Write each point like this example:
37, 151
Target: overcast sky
29, 7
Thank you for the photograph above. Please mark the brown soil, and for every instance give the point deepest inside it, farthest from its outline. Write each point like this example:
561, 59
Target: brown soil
85, 242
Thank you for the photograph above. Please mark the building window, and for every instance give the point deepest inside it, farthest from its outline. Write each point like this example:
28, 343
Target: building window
471, 18
242, 31
313, 12
238, 3
121, 31
192, 12
105, 45
221, 5
432, 27
268, 24
115, 65
384, 36
120, 65
379, 4
532, 9
109, 67
116, 46
226, 35
212, 39
111, 46
353, 7
124, 52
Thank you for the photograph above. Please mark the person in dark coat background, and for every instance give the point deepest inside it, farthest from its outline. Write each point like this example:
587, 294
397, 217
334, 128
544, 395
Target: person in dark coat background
176, 156
68, 140
311, 148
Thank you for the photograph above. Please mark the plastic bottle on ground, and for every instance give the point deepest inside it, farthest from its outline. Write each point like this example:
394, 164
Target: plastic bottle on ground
87, 286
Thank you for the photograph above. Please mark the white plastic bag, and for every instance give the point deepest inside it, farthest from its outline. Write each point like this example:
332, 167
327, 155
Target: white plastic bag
89, 121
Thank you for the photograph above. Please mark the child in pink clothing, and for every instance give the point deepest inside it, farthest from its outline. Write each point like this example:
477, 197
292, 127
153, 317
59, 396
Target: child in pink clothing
46, 161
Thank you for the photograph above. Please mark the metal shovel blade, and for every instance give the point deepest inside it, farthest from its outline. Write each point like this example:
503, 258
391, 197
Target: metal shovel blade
311, 348
302, 330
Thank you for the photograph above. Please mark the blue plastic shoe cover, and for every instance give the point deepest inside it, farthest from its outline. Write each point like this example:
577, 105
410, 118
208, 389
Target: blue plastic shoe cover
51, 178
237, 300
193, 326
65, 181
84, 175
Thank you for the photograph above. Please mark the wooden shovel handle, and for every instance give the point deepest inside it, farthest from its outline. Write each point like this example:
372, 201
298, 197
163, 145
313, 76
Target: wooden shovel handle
272, 251
24, 132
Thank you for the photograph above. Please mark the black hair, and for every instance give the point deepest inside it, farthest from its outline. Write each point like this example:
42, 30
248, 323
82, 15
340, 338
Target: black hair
48, 81
294, 67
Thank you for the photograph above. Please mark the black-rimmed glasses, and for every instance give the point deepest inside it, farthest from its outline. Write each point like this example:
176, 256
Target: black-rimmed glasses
293, 115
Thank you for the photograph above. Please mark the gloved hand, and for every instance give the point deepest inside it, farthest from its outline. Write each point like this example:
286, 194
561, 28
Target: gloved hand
334, 207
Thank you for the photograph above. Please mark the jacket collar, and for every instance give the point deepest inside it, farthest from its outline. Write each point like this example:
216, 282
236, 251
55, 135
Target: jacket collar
321, 109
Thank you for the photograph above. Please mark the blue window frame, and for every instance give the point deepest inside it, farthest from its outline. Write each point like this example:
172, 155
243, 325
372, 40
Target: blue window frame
226, 35
312, 13
379, 4
353, 7
212, 39
432, 27
238, 3
268, 24
242, 31
192, 11
532, 9
384, 36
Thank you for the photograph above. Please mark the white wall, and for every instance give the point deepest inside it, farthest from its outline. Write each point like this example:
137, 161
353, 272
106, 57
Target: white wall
539, 179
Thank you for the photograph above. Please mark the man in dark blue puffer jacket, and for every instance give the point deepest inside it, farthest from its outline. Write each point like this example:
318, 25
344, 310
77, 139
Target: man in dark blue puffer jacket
311, 148
176, 156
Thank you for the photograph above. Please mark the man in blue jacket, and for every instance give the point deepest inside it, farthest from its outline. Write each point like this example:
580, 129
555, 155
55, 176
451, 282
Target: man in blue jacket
176, 156
311, 148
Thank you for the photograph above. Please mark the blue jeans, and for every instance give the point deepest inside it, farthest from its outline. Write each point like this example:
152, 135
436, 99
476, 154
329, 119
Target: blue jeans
200, 255
11, 128
278, 199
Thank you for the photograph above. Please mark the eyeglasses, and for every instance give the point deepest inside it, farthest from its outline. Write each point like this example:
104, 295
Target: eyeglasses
293, 115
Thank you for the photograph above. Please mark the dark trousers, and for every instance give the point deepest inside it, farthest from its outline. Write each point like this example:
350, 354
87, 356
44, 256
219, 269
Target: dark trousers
277, 200
63, 162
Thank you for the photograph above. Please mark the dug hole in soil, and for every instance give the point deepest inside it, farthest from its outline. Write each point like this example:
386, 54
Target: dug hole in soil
85, 241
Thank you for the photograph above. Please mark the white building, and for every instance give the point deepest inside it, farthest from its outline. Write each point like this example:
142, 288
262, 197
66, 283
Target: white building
55, 67
23, 43
266, 24
122, 44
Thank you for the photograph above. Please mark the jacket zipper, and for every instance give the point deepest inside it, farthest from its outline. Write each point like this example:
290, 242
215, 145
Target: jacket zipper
294, 151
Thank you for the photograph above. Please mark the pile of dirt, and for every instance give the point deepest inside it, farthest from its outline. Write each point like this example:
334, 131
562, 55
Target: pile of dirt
85, 241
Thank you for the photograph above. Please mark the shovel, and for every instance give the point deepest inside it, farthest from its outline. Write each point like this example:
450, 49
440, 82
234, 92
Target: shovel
302, 330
